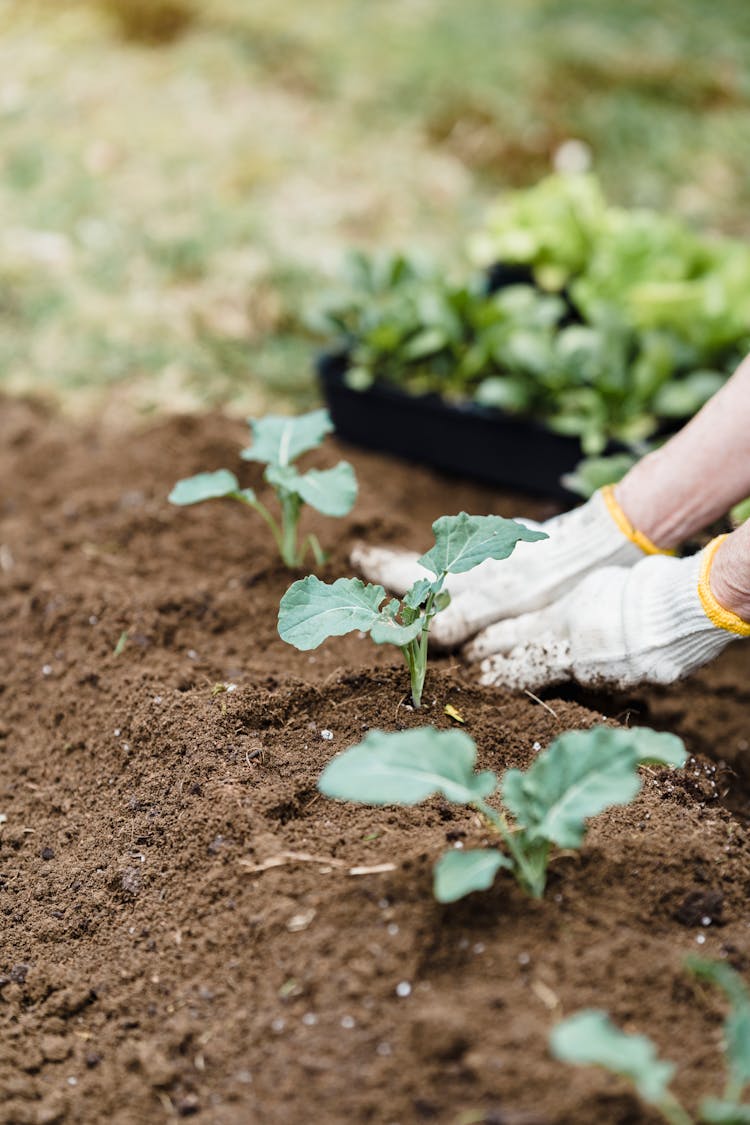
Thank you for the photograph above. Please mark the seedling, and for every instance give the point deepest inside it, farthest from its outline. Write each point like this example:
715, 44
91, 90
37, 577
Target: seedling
277, 443
589, 1038
311, 610
579, 775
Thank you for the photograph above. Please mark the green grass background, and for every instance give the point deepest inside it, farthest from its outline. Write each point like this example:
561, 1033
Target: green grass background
178, 181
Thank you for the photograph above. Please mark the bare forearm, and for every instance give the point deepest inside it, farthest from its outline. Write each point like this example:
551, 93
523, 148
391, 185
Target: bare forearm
699, 474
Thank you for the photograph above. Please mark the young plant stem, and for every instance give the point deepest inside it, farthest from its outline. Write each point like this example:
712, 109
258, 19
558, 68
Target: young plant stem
532, 878
411, 657
317, 551
415, 654
672, 1111
290, 506
264, 513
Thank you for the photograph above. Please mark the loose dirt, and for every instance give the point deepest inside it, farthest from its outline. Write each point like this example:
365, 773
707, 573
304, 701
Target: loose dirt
182, 934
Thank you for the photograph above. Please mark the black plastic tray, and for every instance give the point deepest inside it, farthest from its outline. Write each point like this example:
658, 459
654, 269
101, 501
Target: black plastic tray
473, 441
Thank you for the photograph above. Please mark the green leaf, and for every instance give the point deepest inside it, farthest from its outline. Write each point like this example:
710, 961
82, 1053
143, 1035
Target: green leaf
458, 873
442, 601
358, 378
204, 486
592, 473
279, 441
388, 631
248, 496
681, 398
504, 392
330, 491
740, 512
581, 774
714, 1111
654, 747
311, 610
464, 541
426, 342
589, 1038
737, 1024
418, 594
406, 768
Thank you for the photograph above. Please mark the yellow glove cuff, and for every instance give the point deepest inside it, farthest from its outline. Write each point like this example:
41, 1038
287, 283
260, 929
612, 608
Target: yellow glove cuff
722, 618
626, 527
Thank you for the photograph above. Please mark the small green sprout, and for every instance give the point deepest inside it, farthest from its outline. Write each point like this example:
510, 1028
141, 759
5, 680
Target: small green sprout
122, 641
589, 1038
277, 443
579, 775
311, 610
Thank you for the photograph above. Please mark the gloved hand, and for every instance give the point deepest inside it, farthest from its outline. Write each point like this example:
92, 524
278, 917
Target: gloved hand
652, 623
595, 535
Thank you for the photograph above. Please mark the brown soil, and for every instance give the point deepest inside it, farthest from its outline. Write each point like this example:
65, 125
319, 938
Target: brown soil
150, 971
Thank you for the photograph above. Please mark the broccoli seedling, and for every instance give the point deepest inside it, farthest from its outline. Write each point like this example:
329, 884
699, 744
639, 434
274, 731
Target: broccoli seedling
311, 610
579, 775
589, 1038
277, 443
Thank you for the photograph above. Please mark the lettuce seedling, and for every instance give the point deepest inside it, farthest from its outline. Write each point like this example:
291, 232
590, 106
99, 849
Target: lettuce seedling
589, 1038
277, 443
311, 610
579, 775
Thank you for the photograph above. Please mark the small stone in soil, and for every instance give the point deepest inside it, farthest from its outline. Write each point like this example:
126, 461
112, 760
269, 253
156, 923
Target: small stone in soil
300, 921
131, 881
327, 735
47, 853
403, 988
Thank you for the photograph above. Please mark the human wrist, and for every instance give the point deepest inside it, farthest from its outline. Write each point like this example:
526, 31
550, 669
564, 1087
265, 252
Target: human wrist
729, 576
629, 528
665, 525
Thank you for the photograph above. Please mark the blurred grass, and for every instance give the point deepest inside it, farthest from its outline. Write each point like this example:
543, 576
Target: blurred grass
177, 179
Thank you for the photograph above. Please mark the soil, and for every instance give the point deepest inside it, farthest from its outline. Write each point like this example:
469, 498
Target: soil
182, 934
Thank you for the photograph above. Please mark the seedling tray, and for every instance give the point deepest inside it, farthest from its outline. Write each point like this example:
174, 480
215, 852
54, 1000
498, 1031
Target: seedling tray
468, 440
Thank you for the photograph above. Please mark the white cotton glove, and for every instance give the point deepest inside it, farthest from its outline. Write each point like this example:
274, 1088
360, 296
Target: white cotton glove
594, 535
652, 623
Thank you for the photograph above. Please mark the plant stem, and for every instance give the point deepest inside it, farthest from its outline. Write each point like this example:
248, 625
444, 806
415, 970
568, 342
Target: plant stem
528, 876
264, 513
290, 506
318, 553
416, 654
672, 1111
412, 662
733, 1089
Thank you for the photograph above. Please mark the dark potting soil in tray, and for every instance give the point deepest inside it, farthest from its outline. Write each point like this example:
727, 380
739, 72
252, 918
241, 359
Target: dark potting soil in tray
149, 972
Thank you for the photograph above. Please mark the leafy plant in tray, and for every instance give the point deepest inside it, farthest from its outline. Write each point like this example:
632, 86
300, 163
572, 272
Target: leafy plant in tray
311, 610
604, 323
579, 775
277, 443
589, 1038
